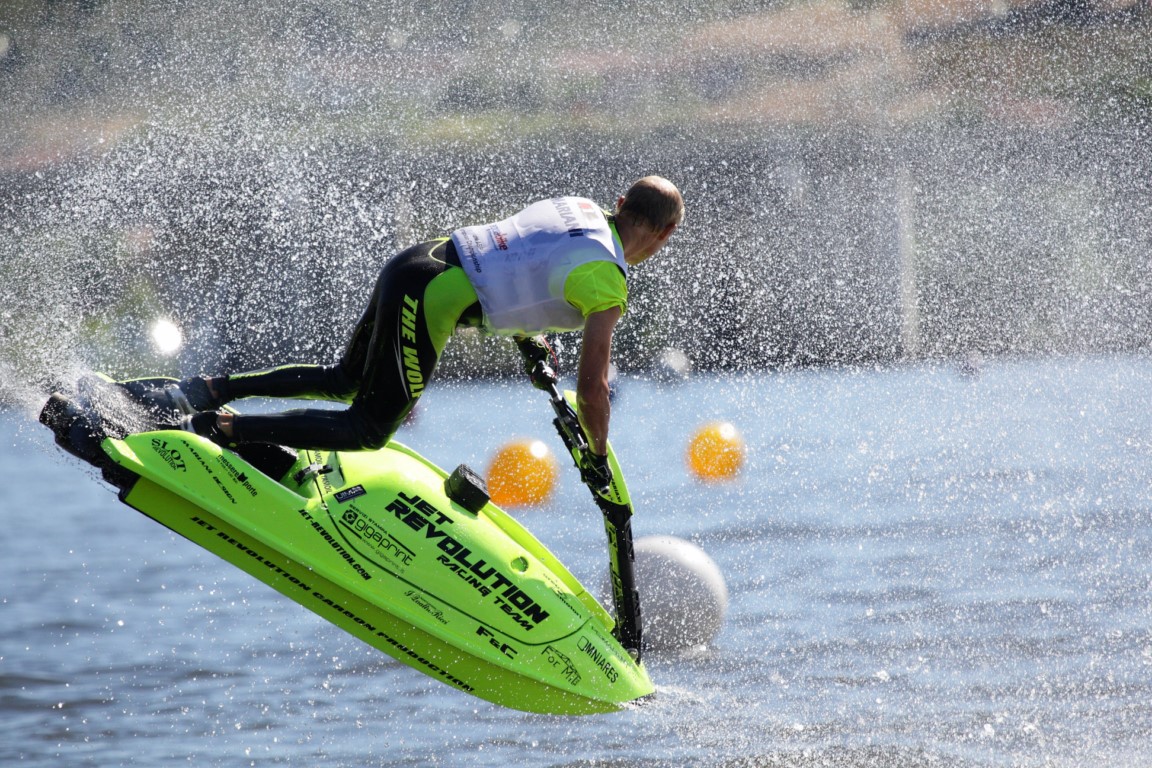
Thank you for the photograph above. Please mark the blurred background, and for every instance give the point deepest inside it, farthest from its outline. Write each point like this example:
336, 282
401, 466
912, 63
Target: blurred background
926, 569
866, 182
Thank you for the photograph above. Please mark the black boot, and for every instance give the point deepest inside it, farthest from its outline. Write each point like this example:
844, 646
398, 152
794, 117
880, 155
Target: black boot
198, 390
204, 424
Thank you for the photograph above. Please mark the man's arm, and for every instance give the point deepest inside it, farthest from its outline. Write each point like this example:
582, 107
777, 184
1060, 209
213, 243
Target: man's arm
592, 377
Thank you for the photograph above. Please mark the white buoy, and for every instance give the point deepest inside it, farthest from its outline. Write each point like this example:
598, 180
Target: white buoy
683, 597
672, 365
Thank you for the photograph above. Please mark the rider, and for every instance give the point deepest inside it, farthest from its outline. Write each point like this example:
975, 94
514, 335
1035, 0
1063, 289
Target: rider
558, 265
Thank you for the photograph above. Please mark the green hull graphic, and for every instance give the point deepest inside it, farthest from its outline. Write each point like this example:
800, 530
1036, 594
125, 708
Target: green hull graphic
372, 542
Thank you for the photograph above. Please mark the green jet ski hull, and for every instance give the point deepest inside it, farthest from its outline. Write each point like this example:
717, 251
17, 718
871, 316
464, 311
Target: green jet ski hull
379, 544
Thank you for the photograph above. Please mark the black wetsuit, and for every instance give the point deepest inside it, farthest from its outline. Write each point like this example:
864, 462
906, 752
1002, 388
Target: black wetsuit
420, 297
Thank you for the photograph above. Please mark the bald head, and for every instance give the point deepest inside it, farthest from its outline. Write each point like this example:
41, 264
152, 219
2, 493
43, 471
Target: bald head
653, 202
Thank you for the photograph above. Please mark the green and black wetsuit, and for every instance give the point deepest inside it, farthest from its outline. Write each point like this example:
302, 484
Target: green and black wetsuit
420, 298
545, 269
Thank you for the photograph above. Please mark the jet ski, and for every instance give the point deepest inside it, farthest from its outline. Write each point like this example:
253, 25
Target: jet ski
413, 560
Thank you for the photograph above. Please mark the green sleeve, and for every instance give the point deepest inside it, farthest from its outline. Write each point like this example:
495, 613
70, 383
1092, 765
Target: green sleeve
596, 286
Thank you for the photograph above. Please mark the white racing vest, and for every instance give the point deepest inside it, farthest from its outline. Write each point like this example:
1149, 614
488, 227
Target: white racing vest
518, 266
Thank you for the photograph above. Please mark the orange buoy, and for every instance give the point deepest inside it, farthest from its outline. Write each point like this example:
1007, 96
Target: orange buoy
716, 451
522, 473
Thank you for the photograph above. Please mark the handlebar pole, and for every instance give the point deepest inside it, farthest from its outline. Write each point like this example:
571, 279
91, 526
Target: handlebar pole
615, 507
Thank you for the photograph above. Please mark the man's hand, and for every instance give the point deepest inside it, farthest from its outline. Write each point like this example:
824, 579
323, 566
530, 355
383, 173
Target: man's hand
595, 472
539, 360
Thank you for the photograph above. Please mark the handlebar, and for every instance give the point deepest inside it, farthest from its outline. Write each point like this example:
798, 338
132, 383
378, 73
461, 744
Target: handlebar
568, 426
611, 499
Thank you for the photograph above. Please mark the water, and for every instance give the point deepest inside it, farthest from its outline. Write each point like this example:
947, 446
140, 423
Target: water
925, 567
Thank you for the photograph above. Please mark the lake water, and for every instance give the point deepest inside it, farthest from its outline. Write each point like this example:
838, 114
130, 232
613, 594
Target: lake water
926, 569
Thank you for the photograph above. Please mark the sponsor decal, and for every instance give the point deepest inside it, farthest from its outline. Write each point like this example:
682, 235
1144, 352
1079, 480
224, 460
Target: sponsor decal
433, 668
495, 642
498, 237
253, 554
472, 245
171, 456
411, 371
208, 471
591, 213
337, 546
430, 666
568, 216
599, 658
562, 663
488, 580
348, 494
368, 531
237, 476
562, 593
426, 605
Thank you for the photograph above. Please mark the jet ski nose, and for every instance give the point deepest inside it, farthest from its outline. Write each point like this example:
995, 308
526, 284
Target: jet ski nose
57, 413
73, 428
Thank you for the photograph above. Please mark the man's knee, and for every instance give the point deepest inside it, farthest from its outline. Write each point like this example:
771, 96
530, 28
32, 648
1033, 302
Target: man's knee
372, 430
373, 442
341, 383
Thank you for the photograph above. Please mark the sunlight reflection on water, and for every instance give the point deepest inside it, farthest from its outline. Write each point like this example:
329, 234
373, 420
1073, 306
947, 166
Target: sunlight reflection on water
925, 569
